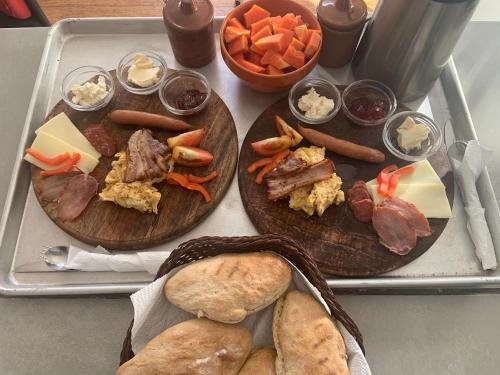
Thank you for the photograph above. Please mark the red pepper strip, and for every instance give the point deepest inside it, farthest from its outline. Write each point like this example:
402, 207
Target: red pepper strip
393, 182
383, 179
67, 167
56, 160
259, 163
179, 179
201, 180
269, 167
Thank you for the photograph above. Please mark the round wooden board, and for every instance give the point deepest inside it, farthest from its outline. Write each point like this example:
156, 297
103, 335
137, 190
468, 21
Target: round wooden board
179, 210
339, 243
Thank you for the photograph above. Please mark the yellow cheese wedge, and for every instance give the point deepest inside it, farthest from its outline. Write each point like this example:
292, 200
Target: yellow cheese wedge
430, 199
61, 127
51, 146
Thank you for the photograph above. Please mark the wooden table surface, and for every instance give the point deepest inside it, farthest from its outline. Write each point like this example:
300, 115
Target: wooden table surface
56, 10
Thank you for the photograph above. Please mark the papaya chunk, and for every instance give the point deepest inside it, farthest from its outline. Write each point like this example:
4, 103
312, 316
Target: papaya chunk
310, 32
299, 20
257, 50
238, 45
231, 33
275, 22
297, 44
272, 71
266, 31
254, 58
275, 59
255, 14
302, 33
273, 42
289, 21
313, 44
235, 23
287, 37
294, 58
251, 66
259, 25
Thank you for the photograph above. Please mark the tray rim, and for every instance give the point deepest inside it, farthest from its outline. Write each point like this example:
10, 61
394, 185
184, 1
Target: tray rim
386, 285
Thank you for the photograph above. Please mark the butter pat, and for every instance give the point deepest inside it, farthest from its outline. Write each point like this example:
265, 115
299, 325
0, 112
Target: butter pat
142, 72
411, 135
314, 105
90, 93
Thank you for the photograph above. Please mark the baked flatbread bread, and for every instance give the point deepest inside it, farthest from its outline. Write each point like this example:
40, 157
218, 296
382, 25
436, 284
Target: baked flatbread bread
226, 288
261, 362
193, 347
306, 339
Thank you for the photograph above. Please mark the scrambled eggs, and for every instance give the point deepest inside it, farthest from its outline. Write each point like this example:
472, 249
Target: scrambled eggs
321, 195
141, 195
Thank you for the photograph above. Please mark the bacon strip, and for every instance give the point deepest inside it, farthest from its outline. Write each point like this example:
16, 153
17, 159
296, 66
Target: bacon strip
147, 158
281, 185
76, 196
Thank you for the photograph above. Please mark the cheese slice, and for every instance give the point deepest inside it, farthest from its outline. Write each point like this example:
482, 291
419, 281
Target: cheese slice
423, 174
50, 146
430, 199
61, 127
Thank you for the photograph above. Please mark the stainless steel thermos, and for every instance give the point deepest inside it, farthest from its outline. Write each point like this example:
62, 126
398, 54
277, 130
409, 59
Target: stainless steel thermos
408, 42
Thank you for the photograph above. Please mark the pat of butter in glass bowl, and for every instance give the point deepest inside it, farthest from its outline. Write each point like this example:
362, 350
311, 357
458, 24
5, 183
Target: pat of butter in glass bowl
141, 72
412, 136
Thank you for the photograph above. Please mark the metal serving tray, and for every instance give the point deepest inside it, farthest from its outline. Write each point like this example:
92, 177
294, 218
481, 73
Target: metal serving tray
449, 266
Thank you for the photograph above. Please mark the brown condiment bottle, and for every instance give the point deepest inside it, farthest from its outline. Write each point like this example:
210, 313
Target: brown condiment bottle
190, 29
342, 22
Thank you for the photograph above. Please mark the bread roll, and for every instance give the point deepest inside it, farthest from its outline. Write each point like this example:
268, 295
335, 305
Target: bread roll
261, 362
193, 347
306, 339
228, 287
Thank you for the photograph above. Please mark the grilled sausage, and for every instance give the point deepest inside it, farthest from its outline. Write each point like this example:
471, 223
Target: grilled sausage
148, 120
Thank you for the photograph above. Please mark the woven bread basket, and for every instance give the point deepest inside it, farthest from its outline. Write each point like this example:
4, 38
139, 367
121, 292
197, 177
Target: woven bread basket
205, 247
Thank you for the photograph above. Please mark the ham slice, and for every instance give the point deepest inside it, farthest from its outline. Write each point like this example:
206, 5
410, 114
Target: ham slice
76, 196
416, 219
360, 202
395, 231
49, 188
147, 158
282, 185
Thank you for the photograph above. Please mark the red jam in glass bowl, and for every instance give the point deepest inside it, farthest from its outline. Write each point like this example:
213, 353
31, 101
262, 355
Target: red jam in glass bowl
368, 102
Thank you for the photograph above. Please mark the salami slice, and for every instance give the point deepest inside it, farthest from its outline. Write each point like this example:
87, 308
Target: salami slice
101, 140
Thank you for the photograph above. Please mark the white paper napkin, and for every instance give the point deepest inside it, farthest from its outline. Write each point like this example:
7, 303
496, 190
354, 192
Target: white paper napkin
467, 172
100, 259
153, 314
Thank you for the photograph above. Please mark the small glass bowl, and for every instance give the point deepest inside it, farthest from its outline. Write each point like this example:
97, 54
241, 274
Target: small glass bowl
323, 88
82, 75
177, 83
370, 90
429, 147
125, 64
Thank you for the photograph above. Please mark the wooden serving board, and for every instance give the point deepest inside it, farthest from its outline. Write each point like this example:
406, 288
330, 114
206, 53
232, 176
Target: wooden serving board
179, 210
339, 243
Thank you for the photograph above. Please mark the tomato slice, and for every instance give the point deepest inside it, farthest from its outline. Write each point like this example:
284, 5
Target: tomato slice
271, 146
68, 166
56, 160
383, 179
202, 180
179, 179
191, 156
257, 164
393, 181
192, 138
285, 129
269, 167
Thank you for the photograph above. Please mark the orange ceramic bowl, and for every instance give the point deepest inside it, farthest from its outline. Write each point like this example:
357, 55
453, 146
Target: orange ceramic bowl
264, 82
